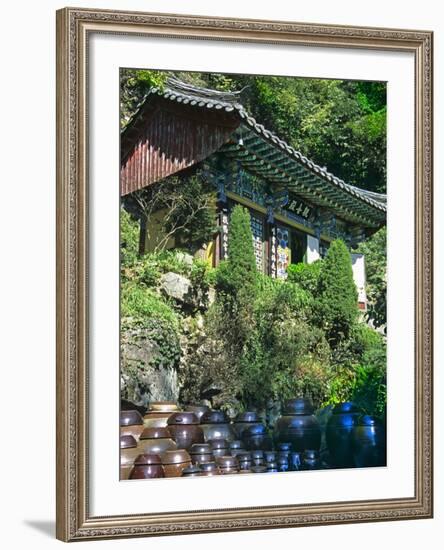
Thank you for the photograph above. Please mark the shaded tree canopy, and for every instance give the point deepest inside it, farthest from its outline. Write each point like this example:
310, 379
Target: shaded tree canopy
336, 123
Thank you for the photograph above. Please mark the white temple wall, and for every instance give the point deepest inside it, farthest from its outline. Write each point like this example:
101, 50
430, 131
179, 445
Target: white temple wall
312, 249
358, 265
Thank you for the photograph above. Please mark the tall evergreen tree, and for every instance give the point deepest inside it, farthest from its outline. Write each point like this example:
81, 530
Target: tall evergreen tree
238, 274
338, 297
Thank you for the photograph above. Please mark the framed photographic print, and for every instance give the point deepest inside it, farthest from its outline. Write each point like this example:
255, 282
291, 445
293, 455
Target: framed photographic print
244, 276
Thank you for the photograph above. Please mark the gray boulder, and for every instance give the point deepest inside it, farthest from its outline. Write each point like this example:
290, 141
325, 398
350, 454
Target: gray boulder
177, 287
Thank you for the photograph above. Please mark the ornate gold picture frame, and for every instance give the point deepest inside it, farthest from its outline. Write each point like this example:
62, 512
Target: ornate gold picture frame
75, 520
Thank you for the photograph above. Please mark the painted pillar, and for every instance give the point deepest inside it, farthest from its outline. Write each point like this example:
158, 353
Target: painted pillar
358, 265
312, 249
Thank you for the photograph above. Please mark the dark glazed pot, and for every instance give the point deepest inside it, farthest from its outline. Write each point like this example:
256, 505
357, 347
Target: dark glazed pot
295, 461
128, 454
185, 430
198, 410
256, 437
156, 440
227, 464
158, 414
369, 442
147, 466
339, 435
209, 469
311, 460
174, 462
216, 425
270, 456
220, 447
245, 461
237, 447
131, 423
299, 426
245, 420
201, 452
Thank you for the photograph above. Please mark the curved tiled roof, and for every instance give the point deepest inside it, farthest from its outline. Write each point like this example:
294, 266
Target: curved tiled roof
271, 156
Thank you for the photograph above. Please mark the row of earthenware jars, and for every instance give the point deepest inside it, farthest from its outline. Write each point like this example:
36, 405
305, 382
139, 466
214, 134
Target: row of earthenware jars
352, 439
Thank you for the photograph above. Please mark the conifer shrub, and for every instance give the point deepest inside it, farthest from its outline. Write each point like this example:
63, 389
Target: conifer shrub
337, 301
238, 276
305, 275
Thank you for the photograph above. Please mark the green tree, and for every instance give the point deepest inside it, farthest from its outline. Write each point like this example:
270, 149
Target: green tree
238, 276
189, 205
134, 85
129, 238
375, 252
337, 302
305, 275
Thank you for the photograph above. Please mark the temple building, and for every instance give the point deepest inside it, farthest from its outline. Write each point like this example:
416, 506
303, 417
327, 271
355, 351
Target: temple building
296, 207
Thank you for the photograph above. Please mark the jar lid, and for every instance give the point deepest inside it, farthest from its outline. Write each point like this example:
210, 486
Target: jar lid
218, 444
299, 405
255, 429
177, 456
214, 417
257, 453
147, 458
163, 406
130, 418
127, 442
155, 433
182, 419
227, 462
347, 407
208, 466
247, 416
201, 449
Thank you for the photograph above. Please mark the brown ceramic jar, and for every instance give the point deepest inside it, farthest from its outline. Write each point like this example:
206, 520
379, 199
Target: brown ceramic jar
245, 420
220, 447
175, 461
227, 464
209, 469
299, 426
147, 466
216, 425
128, 454
156, 440
158, 414
201, 452
185, 430
131, 423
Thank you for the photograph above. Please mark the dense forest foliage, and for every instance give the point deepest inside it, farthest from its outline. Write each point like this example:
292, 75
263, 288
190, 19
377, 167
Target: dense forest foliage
240, 339
336, 123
